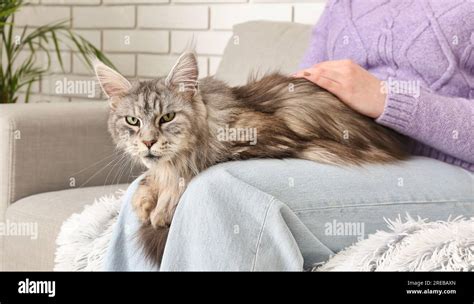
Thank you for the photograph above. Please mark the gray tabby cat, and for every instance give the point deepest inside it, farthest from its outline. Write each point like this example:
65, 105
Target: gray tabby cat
173, 126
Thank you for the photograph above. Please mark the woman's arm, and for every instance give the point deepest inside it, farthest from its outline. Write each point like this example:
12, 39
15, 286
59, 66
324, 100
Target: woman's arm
444, 123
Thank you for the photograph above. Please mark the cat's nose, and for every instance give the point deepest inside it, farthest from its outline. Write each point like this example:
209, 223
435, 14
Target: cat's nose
149, 143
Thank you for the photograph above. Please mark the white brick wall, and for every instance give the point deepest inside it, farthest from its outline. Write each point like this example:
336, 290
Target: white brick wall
40, 15
103, 17
136, 41
225, 16
144, 37
173, 17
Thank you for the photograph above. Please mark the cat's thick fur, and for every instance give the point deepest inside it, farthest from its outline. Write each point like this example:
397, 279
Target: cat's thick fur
293, 118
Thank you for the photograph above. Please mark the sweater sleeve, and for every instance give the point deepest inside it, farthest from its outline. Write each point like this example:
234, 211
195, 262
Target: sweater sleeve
317, 50
444, 123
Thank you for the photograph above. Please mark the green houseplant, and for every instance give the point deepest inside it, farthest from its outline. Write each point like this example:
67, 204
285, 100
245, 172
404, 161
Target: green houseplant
16, 75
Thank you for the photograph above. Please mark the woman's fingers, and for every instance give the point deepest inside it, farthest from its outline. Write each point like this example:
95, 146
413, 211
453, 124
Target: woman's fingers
328, 84
313, 73
301, 74
325, 78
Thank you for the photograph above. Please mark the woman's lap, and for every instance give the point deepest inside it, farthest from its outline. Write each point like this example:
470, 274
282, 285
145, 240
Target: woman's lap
421, 187
279, 214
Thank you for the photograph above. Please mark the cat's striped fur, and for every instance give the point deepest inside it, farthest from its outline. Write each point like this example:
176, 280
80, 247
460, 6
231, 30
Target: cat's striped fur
293, 118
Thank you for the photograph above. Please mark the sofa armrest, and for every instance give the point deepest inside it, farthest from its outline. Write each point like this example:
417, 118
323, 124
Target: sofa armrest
47, 147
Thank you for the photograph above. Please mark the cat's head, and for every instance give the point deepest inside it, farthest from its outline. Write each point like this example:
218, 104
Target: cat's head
158, 119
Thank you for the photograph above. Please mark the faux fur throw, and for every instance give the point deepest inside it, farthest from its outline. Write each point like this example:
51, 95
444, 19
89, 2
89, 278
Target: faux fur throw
413, 245
83, 239
410, 245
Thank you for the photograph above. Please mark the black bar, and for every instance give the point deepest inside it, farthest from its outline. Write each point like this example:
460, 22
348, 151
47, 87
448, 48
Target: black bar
386, 287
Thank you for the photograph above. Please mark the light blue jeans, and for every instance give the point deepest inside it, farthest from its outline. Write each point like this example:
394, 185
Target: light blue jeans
290, 214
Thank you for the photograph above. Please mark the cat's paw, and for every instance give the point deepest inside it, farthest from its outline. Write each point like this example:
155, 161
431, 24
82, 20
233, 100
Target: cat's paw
144, 201
160, 218
162, 215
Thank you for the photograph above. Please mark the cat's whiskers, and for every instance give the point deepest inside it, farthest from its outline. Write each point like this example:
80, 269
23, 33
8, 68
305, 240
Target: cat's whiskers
95, 163
100, 170
131, 162
120, 171
118, 161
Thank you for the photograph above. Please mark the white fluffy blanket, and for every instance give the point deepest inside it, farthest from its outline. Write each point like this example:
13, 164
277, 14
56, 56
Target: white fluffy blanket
84, 237
413, 245
410, 245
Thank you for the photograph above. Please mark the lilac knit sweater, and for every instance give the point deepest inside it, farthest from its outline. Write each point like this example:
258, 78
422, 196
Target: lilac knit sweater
427, 47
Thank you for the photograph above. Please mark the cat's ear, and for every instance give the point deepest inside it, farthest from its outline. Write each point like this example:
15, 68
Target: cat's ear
112, 83
184, 74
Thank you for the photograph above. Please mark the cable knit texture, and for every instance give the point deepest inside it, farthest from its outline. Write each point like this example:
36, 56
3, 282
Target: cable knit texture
424, 50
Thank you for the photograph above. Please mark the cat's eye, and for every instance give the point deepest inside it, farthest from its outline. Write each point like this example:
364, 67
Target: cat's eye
167, 117
133, 121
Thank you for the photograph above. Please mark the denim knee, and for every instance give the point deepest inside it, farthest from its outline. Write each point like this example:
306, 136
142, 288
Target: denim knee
207, 188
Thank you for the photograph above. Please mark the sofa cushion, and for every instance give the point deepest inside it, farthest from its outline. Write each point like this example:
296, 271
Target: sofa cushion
47, 211
263, 46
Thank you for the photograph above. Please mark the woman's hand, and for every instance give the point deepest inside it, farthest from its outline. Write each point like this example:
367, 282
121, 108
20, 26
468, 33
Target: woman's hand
354, 86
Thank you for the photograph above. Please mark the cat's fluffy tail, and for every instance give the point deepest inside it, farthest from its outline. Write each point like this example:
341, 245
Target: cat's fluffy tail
153, 241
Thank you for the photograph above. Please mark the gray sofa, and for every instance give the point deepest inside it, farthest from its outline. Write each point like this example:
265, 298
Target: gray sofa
56, 158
